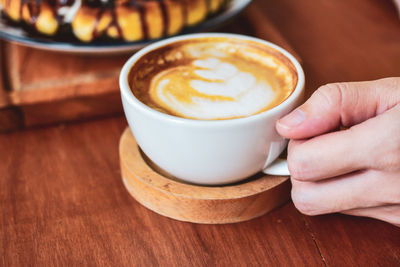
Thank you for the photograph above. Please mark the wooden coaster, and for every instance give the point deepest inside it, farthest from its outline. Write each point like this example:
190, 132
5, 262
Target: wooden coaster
194, 203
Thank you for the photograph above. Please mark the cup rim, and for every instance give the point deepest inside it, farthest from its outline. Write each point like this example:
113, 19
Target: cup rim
127, 94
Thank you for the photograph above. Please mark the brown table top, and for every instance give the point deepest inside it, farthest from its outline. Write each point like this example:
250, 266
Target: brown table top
62, 200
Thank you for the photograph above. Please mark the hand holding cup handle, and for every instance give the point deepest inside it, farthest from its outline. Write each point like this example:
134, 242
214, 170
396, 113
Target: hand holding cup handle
354, 171
322, 176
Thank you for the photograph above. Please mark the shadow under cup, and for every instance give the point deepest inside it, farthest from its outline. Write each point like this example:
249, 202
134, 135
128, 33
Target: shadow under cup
204, 151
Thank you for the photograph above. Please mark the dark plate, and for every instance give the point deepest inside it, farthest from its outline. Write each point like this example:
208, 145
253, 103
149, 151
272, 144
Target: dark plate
18, 35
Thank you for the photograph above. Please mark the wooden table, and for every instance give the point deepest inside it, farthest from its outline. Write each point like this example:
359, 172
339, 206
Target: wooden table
63, 203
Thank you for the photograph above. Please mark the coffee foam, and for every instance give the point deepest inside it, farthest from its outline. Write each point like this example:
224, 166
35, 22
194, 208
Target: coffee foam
213, 80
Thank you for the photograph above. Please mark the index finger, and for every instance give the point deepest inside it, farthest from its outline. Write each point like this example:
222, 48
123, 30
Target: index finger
372, 144
339, 104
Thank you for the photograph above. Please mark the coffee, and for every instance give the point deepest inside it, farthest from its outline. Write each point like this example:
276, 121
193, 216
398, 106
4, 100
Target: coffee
213, 78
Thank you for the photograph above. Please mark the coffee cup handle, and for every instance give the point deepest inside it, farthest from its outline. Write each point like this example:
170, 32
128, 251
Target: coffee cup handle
278, 167
275, 165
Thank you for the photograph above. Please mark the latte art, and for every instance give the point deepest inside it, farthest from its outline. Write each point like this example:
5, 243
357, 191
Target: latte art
212, 81
210, 89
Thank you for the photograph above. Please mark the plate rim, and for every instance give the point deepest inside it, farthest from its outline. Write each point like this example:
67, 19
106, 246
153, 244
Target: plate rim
236, 7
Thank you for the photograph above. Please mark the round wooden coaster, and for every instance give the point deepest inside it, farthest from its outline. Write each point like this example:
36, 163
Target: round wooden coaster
195, 203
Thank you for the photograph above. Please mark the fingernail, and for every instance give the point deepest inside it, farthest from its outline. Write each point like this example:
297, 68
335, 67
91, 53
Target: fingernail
293, 119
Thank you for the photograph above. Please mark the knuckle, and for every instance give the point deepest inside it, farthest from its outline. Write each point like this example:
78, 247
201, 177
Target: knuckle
297, 163
383, 145
345, 97
293, 144
303, 200
391, 83
388, 91
295, 166
389, 158
332, 92
296, 171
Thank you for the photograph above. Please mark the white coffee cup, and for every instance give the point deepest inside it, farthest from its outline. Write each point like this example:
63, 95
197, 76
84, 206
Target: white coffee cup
215, 151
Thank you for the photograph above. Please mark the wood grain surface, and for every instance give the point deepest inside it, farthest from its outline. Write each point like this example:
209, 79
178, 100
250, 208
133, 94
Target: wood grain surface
63, 203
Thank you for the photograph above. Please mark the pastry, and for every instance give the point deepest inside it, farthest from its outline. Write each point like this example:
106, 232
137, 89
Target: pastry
128, 20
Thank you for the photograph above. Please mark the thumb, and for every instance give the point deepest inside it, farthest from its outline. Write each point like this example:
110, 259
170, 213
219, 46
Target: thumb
340, 104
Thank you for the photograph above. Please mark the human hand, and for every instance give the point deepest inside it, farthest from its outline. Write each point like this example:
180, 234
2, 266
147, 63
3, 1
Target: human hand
354, 171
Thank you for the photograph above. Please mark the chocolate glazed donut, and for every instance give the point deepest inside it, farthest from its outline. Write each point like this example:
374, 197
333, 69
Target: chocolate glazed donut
127, 20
